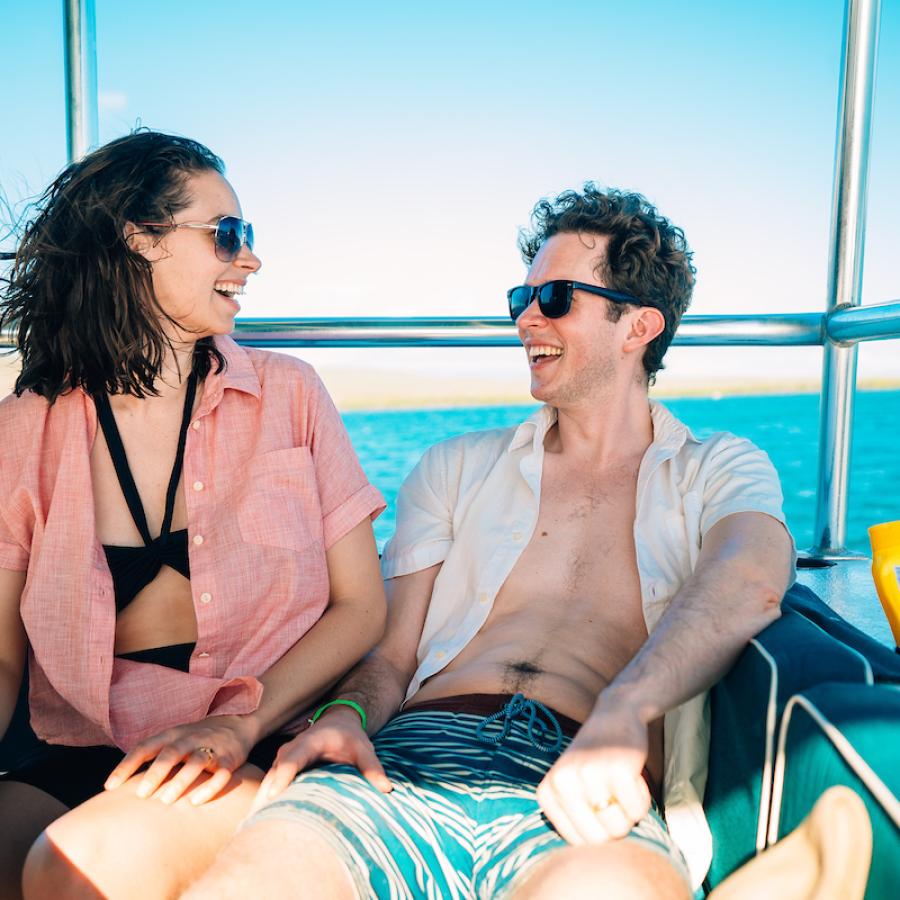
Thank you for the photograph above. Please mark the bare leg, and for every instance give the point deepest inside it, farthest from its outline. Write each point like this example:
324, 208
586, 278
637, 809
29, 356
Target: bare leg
117, 845
619, 870
25, 811
276, 858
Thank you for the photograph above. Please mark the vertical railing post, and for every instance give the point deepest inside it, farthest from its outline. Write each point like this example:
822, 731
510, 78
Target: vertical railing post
80, 47
845, 269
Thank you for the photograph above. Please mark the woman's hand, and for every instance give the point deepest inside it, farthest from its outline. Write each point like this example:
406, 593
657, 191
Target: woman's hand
337, 738
218, 745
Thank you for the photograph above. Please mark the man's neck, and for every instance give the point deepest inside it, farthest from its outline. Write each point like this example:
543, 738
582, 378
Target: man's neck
607, 431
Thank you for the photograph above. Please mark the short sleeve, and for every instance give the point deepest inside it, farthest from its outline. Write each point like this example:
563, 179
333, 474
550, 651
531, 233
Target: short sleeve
13, 555
740, 478
345, 495
424, 530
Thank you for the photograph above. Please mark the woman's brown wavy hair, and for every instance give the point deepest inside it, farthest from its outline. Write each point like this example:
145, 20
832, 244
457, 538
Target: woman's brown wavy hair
78, 299
647, 256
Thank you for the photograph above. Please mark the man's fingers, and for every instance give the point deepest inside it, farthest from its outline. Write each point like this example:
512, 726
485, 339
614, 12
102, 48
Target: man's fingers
572, 800
633, 797
277, 780
372, 770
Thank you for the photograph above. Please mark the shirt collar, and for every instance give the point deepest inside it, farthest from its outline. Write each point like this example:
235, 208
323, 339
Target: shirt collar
668, 432
534, 429
239, 374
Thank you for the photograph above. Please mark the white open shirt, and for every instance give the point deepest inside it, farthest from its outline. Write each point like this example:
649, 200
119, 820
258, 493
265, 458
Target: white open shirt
472, 504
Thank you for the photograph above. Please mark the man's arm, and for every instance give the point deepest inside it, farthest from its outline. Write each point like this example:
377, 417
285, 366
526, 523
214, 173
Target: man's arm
595, 790
378, 684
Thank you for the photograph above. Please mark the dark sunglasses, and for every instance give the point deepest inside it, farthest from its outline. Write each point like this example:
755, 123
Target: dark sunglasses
555, 297
231, 233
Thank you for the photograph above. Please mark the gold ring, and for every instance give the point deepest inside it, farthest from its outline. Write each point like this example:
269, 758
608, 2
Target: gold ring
208, 752
603, 805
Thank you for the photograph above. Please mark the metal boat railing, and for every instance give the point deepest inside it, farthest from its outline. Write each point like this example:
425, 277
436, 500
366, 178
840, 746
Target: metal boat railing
838, 330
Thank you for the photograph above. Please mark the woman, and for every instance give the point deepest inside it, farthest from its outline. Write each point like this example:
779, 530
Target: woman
185, 539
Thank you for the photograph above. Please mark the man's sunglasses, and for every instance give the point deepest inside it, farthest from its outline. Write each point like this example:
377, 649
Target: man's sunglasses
555, 297
231, 233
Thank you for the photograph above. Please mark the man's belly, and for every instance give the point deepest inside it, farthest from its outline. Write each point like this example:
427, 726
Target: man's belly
565, 671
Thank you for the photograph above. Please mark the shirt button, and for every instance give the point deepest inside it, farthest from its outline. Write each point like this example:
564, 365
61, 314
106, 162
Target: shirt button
198, 485
517, 535
198, 539
205, 597
196, 427
483, 597
439, 654
202, 656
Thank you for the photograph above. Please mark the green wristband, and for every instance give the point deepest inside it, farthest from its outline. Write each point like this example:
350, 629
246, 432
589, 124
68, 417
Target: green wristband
339, 702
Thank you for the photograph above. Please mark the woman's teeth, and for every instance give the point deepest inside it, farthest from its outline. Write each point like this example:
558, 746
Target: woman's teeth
229, 289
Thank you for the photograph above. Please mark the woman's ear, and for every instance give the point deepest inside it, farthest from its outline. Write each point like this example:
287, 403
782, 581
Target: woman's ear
142, 241
645, 326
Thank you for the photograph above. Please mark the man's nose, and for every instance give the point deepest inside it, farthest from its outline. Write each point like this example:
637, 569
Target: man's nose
531, 316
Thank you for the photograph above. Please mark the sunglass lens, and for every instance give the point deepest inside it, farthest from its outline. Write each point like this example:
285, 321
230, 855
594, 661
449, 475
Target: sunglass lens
248, 235
519, 298
554, 299
229, 237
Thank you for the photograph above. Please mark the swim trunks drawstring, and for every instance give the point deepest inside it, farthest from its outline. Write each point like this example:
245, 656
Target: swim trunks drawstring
537, 730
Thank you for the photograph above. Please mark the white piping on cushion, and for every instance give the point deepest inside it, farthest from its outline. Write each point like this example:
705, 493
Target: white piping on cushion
766, 782
879, 790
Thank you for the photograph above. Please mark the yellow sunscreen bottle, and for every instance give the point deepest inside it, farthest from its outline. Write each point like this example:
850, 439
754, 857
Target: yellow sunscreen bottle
885, 539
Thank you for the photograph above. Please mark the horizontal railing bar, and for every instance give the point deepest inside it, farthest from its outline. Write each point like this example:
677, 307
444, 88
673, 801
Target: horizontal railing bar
773, 330
848, 324
844, 325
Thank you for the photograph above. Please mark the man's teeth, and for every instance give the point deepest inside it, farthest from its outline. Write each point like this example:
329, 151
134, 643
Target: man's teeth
535, 352
230, 289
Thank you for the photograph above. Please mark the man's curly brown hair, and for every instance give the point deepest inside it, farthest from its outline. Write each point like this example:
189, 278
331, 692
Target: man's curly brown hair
647, 255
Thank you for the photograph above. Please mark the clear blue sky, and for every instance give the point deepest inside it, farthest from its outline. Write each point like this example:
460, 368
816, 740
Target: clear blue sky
387, 153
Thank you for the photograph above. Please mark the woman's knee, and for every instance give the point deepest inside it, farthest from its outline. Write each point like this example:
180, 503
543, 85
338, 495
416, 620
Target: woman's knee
51, 871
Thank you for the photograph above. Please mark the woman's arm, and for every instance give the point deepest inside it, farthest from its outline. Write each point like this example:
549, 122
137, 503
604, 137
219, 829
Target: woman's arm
350, 626
12, 644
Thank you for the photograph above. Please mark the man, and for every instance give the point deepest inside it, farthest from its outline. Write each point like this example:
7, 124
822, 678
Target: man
530, 758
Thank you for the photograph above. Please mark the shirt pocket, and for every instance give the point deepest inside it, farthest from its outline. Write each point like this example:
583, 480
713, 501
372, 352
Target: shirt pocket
279, 505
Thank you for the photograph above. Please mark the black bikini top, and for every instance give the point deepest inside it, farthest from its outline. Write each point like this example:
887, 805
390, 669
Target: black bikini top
133, 568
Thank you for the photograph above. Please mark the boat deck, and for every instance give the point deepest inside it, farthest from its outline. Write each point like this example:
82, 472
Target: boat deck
847, 587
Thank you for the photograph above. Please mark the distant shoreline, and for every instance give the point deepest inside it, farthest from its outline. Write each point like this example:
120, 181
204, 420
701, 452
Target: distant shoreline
355, 389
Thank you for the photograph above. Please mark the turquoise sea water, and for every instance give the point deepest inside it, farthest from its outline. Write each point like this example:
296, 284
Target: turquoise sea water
787, 427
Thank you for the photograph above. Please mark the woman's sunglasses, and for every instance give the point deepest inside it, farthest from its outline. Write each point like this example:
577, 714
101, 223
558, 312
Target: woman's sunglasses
231, 233
555, 297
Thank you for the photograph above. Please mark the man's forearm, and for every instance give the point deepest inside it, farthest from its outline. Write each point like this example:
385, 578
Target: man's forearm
699, 637
377, 686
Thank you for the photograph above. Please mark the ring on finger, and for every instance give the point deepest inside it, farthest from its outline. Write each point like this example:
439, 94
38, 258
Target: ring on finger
208, 752
599, 806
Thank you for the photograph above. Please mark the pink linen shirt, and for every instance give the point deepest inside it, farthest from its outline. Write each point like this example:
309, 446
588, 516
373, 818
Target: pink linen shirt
271, 482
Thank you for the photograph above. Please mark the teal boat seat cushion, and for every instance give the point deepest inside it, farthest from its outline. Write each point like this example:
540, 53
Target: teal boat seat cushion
844, 734
791, 655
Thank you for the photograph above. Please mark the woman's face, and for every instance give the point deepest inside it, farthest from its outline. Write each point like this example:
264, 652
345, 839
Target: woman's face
191, 283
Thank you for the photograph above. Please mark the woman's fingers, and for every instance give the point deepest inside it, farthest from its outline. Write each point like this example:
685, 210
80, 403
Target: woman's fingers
166, 760
132, 762
210, 788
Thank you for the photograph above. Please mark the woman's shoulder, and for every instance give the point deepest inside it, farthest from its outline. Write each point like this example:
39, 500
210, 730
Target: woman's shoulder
22, 413
280, 369
23, 424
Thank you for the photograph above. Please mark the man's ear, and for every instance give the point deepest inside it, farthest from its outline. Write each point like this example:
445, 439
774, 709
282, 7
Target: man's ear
645, 326
142, 241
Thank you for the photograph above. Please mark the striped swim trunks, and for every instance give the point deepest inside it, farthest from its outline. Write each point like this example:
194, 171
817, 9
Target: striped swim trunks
462, 820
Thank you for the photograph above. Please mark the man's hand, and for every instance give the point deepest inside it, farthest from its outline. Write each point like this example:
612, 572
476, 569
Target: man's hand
596, 791
217, 744
337, 737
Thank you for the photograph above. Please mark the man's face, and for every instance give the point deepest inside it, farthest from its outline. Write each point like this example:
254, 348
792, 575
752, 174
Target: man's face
577, 357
